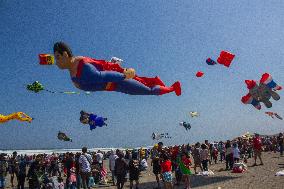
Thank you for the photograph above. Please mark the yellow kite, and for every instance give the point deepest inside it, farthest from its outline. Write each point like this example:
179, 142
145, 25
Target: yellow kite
21, 116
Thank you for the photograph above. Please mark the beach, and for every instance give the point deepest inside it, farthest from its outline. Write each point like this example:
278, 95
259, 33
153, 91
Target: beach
255, 177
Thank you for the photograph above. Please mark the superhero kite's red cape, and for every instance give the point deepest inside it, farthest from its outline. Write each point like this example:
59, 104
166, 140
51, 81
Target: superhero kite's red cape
103, 65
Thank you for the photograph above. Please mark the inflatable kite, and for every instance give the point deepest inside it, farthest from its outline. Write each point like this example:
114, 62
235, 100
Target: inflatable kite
37, 87
101, 75
272, 114
194, 114
92, 119
187, 126
225, 58
261, 92
21, 116
199, 74
156, 136
46, 59
63, 137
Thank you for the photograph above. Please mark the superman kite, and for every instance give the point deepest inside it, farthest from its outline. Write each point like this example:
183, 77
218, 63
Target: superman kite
90, 74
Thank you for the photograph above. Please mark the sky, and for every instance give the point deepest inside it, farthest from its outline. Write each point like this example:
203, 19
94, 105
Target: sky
170, 39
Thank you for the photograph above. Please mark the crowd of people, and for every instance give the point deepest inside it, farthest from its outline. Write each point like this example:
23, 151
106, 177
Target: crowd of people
171, 165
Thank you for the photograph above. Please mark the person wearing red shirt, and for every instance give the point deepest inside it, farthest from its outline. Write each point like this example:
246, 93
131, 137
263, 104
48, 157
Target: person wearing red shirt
257, 147
166, 166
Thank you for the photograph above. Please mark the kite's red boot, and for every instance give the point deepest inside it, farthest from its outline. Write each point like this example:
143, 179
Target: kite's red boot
159, 81
175, 87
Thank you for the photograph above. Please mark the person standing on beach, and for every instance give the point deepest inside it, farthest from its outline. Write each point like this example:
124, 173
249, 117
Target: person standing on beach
13, 167
22, 173
206, 142
85, 162
229, 155
77, 170
196, 157
257, 148
184, 165
236, 153
112, 159
134, 171
69, 163
3, 170
176, 156
204, 155
280, 140
156, 153
166, 166
33, 173
100, 158
120, 170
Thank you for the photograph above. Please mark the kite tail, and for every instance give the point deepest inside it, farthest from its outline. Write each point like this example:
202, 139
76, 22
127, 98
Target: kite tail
50, 91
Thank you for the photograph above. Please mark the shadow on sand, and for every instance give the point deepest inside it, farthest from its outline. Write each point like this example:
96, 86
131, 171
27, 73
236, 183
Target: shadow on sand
281, 165
196, 181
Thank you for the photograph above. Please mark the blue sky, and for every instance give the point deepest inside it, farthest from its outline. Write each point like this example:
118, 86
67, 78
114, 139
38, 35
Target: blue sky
171, 39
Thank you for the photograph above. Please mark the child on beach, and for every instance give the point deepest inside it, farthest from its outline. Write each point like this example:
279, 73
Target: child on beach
58, 184
73, 178
215, 154
236, 153
166, 166
184, 165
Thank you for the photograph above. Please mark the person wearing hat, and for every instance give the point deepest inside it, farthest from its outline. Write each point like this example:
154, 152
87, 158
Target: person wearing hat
156, 154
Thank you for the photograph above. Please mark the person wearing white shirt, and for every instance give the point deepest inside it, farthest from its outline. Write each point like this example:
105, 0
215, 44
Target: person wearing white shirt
112, 159
100, 158
236, 153
85, 162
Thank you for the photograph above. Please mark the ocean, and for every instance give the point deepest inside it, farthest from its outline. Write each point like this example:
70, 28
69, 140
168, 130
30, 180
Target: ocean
60, 151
